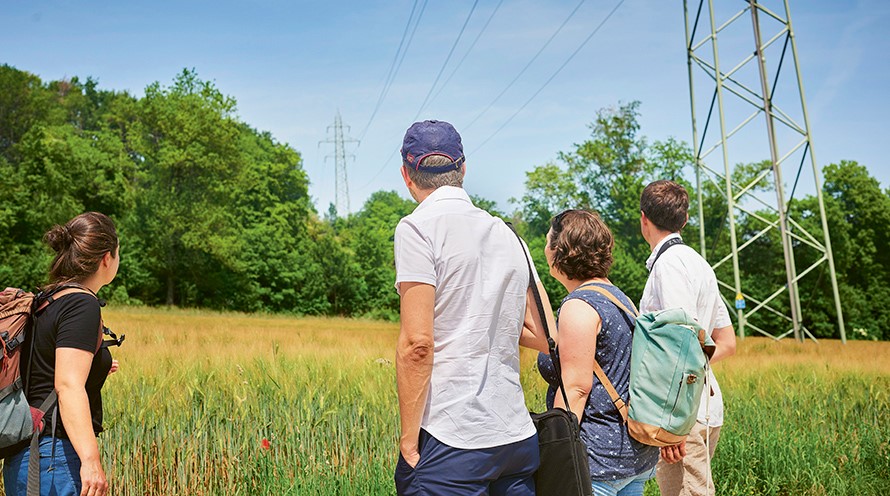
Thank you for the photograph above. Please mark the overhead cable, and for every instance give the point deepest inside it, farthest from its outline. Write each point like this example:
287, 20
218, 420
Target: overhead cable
596, 30
391, 155
444, 64
472, 45
530, 62
396, 63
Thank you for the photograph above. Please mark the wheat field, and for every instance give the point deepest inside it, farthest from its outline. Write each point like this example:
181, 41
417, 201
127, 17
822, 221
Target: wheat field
229, 404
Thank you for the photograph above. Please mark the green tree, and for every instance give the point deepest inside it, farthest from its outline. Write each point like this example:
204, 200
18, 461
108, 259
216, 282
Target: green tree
369, 235
606, 173
24, 102
858, 213
59, 173
187, 144
274, 271
549, 189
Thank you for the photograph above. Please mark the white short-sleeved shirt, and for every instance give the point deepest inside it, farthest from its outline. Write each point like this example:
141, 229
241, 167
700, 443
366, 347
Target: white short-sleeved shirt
481, 276
683, 278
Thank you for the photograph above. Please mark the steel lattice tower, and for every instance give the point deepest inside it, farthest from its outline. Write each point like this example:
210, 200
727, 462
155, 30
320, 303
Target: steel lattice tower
761, 102
341, 193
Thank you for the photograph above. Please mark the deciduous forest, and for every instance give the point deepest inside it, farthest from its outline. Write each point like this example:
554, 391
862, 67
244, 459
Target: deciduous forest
213, 213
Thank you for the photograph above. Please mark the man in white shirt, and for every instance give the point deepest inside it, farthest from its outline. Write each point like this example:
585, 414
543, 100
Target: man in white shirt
680, 277
463, 281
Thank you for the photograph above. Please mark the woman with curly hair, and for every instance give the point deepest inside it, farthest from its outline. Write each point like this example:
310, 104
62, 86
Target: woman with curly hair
592, 329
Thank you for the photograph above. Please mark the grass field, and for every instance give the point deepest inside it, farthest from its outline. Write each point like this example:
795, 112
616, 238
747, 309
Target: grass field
199, 392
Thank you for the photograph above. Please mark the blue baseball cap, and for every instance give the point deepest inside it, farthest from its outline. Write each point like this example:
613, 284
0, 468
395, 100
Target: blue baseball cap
432, 138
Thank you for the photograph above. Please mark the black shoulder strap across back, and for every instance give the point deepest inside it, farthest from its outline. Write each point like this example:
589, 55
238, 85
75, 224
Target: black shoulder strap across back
43, 299
551, 344
667, 244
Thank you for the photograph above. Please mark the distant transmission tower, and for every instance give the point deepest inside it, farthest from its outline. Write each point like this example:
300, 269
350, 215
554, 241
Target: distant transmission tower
341, 193
757, 99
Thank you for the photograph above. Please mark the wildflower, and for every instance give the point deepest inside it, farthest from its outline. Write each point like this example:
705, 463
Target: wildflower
266, 444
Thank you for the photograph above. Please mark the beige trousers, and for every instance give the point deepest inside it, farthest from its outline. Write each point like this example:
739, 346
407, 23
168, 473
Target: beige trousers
690, 476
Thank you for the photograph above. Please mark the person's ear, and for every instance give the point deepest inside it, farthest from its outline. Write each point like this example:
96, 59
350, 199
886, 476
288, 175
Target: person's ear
405, 177
686, 222
409, 184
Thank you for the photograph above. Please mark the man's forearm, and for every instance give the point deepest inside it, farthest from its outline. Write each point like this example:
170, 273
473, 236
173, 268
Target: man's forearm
414, 367
529, 339
414, 361
724, 339
533, 335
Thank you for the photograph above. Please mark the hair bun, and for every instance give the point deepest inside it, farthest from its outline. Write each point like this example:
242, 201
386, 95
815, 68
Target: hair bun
59, 238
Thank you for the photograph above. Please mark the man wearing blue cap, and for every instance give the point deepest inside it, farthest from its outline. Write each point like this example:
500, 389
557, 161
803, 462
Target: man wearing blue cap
463, 281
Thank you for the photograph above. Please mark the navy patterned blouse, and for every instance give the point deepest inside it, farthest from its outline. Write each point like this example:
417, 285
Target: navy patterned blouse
611, 452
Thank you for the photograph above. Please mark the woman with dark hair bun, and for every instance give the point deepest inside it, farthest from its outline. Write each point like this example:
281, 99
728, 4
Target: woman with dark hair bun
594, 330
67, 357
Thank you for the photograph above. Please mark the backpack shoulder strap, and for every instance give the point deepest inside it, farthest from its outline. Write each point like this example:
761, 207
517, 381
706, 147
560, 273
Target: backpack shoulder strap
34, 456
33, 486
620, 404
63, 290
608, 294
667, 244
616, 398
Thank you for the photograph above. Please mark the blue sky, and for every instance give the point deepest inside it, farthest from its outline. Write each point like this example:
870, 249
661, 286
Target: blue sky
292, 65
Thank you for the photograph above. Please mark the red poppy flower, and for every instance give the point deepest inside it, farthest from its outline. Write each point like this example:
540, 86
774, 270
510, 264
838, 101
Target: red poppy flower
266, 445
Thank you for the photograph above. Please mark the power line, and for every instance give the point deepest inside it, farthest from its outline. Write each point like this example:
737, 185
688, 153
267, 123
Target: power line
448, 58
382, 168
396, 63
530, 62
391, 155
395, 150
472, 45
389, 74
596, 30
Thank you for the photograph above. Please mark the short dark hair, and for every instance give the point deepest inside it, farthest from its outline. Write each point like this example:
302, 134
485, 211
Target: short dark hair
582, 244
666, 204
430, 180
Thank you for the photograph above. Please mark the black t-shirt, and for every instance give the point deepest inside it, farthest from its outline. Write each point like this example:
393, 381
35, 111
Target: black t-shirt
72, 321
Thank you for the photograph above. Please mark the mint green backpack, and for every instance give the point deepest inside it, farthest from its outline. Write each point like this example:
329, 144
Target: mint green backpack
668, 369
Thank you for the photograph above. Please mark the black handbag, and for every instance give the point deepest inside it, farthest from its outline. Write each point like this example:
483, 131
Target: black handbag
564, 470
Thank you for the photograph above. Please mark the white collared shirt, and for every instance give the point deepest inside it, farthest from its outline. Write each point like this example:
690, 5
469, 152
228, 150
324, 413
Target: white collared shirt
683, 278
481, 276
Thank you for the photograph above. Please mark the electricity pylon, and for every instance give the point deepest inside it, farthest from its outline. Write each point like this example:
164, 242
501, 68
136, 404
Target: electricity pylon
341, 192
753, 90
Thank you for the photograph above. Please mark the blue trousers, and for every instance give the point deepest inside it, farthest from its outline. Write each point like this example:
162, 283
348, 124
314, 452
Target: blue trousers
631, 486
59, 471
446, 471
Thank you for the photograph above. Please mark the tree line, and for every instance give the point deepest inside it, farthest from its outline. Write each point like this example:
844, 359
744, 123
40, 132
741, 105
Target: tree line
213, 213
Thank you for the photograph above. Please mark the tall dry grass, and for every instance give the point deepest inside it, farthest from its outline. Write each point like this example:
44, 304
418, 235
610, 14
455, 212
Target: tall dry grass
199, 392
